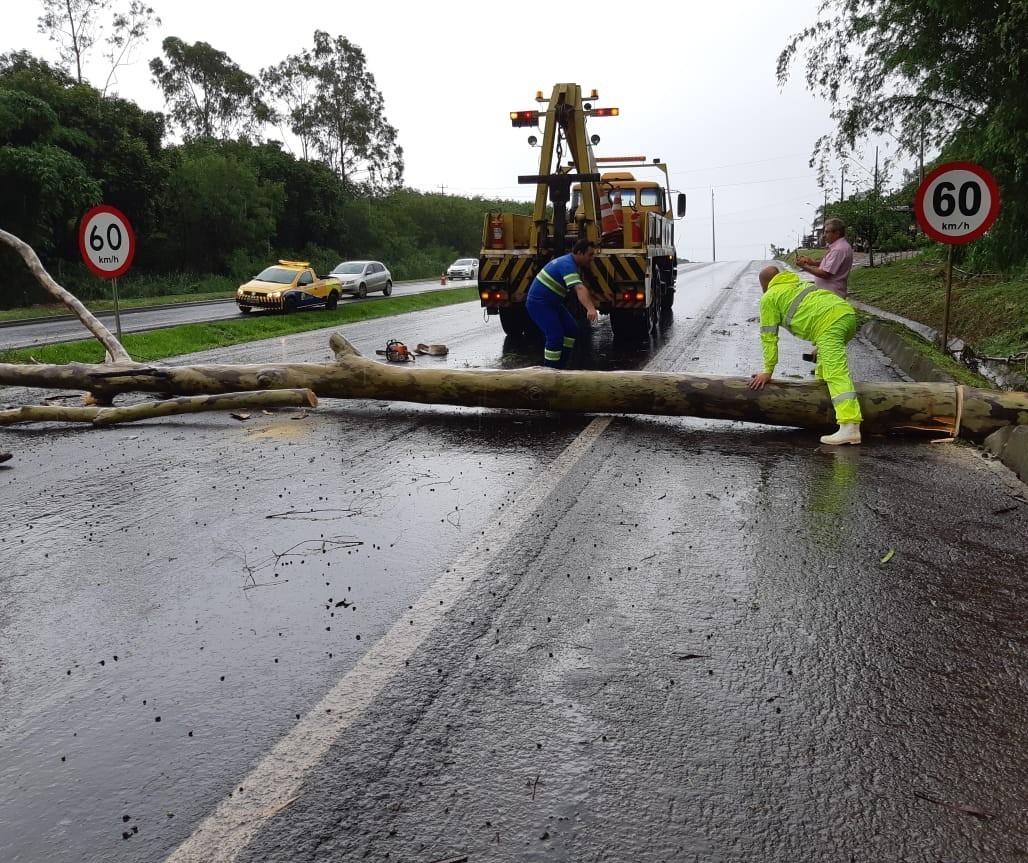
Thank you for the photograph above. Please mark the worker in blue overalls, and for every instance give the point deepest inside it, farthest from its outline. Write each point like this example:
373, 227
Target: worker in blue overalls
545, 303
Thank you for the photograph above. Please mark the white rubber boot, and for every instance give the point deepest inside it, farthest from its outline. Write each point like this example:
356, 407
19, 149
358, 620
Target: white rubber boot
847, 433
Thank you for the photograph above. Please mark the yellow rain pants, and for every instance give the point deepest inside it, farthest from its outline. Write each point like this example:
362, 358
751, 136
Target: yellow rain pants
833, 368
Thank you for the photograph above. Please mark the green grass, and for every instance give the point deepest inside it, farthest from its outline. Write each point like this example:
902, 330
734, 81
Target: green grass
990, 313
190, 338
956, 370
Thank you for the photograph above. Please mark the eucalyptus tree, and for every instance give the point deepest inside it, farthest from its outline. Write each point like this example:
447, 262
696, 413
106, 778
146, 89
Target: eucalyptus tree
128, 29
75, 26
346, 120
206, 93
293, 85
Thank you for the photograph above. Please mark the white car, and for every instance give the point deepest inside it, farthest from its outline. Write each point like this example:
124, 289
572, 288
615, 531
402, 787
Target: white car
463, 268
360, 278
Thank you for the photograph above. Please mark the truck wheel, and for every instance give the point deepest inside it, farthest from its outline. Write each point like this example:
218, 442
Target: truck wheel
245, 310
332, 302
362, 291
514, 321
388, 289
628, 325
653, 314
657, 286
289, 305
669, 299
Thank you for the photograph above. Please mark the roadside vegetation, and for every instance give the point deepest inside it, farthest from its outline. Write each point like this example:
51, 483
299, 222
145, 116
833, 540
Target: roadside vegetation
190, 338
227, 199
989, 312
945, 363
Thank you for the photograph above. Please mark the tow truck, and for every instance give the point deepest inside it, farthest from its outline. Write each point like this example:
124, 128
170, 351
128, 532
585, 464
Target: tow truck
286, 287
633, 278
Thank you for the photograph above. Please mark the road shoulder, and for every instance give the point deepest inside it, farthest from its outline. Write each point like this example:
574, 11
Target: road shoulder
1009, 445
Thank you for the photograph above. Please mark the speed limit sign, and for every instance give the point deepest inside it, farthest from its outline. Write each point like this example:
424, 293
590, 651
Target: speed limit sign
957, 202
106, 242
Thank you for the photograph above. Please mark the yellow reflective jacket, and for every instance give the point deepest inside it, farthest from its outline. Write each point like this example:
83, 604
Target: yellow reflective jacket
801, 307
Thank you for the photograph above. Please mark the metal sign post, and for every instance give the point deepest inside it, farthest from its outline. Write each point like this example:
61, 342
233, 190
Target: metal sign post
956, 203
117, 311
949, 292
108, 245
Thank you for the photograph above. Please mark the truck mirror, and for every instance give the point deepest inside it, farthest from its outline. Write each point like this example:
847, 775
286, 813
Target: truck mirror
681, 204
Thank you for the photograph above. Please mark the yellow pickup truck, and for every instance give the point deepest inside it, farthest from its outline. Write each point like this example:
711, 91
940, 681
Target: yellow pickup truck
286, 287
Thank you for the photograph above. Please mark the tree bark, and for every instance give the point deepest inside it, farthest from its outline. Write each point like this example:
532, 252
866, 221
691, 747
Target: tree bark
105, 416
887, 407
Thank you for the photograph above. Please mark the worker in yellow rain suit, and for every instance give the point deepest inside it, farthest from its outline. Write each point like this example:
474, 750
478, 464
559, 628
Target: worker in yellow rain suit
820, 317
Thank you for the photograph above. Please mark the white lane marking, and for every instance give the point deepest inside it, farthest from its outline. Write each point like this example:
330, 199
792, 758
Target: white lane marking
276, 780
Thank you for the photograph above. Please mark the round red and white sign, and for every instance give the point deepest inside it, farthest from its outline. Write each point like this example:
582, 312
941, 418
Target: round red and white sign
957, 202
106, 241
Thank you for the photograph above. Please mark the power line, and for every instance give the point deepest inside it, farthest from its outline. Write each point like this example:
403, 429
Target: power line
735, 165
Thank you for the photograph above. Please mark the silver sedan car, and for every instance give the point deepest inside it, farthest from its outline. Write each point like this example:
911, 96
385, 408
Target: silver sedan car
359, 278
463, 268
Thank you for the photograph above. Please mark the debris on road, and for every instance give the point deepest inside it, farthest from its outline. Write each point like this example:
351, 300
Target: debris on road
960, 808
431, 350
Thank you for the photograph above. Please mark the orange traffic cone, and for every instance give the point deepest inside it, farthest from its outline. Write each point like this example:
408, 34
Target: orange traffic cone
443, 282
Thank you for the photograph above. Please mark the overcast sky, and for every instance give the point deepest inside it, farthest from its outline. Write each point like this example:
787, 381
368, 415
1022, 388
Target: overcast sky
695, 85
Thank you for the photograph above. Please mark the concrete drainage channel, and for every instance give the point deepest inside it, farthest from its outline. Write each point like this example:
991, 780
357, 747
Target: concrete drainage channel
1009, 444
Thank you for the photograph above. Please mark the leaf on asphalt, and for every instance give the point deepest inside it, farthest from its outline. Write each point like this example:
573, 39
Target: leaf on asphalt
240, 416
689, 656
961, 808
888, 555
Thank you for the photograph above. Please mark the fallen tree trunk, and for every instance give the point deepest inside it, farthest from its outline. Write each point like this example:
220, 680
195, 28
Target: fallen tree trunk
105, 416
938, 408
103, 335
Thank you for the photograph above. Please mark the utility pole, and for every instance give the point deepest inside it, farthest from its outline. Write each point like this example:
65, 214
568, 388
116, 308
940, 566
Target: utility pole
870, 218
713, 244
842, 184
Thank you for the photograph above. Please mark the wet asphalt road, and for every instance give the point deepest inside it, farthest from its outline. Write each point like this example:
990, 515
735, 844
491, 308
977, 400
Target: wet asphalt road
513, 636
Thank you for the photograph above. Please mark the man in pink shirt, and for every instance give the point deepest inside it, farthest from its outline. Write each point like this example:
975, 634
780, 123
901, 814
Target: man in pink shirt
832, 273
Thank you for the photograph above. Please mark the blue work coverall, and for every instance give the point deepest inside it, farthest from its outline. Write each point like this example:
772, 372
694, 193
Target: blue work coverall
545, 306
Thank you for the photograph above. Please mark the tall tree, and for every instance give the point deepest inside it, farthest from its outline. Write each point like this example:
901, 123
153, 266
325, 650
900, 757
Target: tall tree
76, 25
128, 30
293, 84
941, 74
208, 95
73, 25
346, 120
